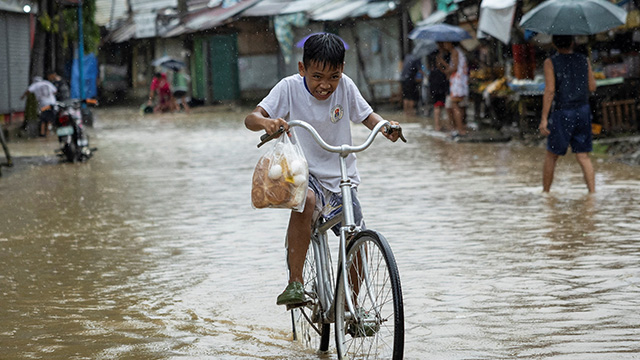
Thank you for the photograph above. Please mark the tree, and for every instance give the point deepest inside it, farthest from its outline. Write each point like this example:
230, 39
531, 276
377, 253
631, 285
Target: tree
56, 34
91, 31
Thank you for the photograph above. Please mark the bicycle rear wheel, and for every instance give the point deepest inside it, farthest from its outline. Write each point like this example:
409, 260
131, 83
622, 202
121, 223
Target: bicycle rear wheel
308, 327
376, 331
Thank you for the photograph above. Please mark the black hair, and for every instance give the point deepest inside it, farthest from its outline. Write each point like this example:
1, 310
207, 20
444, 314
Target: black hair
562, 41
324, 49
157, 75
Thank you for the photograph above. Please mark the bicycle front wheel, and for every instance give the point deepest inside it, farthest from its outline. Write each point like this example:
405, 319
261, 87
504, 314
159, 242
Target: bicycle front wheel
308, 326
376, 330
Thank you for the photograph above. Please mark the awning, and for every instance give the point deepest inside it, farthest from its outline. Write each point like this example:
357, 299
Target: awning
209, 18
493, 14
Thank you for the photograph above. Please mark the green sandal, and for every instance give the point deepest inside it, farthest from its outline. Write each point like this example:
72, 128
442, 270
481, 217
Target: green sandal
293, 294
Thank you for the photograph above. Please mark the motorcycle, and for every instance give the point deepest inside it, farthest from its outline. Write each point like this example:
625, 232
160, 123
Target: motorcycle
74, 141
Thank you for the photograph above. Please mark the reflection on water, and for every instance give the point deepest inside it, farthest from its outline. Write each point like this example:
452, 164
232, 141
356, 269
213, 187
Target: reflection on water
151, 250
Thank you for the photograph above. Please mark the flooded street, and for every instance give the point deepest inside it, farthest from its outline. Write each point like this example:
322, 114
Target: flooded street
151, 250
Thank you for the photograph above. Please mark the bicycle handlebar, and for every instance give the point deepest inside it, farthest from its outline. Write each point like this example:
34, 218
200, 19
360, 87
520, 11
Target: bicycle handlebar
341, 149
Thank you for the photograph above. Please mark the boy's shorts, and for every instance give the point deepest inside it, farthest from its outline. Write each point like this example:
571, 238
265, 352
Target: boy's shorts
329, 204
570, 127
47, 117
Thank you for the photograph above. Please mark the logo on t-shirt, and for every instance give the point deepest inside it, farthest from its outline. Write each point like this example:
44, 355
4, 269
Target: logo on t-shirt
336, 113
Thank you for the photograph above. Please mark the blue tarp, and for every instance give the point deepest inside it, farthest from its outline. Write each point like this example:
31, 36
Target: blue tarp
90, 69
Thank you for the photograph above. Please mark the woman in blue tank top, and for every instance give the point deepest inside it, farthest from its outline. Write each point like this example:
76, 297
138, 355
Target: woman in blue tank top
568, 82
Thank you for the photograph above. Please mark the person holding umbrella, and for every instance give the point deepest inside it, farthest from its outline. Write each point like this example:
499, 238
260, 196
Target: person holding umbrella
569, 78
568, 82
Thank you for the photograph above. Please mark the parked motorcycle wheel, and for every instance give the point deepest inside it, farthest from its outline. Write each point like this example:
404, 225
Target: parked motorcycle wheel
69, 151
87, 117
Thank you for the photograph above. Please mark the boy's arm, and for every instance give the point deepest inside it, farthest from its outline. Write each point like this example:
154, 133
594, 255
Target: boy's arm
371, 121
259, 119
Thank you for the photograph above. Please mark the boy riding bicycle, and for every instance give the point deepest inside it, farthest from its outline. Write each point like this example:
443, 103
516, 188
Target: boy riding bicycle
325, 98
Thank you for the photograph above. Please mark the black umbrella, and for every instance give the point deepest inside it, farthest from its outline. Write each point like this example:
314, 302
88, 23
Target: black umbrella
169, 63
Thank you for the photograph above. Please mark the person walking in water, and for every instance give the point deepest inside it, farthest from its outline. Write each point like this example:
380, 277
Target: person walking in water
568, 82
180, 89
457, 71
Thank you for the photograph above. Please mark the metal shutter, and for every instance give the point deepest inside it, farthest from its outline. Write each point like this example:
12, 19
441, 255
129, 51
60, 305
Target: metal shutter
15, 57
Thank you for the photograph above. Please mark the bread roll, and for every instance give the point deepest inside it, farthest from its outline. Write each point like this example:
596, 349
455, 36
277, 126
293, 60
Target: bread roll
258, 197
278, 191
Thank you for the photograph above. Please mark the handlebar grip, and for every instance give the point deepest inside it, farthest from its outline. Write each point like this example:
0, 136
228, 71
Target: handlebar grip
265, 138
391, 128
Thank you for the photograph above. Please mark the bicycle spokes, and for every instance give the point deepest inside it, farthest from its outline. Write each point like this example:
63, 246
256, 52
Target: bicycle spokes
376, 328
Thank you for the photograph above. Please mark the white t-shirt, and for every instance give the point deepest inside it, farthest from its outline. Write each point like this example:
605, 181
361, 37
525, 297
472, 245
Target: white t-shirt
291, 100
44, 92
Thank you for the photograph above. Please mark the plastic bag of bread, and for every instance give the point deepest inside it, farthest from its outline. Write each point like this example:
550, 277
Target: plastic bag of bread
281, 176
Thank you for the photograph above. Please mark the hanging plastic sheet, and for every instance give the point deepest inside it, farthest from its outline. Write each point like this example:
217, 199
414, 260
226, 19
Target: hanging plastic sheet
90, 76
493, 14
283, 25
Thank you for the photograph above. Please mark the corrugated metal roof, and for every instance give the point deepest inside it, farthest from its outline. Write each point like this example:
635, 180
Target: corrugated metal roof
281, 7
337, 10
209, 18
140, 6
110, 11
323, 10
123, 33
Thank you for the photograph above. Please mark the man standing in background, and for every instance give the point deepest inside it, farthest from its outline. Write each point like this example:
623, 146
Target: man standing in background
45, 93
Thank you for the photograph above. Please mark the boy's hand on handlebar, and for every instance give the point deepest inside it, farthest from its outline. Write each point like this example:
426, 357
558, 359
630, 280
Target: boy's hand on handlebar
273, 125
393, 132
282, 126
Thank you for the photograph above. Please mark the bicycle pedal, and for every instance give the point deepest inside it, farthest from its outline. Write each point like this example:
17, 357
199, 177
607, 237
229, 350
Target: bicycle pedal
302, 304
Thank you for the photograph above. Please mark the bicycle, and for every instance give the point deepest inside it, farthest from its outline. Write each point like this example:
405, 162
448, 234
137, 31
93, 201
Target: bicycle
366, 306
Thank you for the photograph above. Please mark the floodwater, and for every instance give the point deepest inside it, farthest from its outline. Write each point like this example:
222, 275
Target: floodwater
151, 250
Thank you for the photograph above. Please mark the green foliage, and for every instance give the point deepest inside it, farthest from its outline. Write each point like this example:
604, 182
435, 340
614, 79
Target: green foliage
91, 31
45, 22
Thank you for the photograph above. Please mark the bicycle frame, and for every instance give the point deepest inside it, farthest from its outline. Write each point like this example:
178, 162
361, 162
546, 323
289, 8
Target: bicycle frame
348, 228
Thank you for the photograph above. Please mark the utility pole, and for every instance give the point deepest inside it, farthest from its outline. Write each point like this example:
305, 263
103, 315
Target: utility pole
80, 53
404, 27
78, 4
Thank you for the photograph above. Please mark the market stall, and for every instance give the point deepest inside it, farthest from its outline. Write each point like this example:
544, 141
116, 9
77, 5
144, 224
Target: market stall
508, 91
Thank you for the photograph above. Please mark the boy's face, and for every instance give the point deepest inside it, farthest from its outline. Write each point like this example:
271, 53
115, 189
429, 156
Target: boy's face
322, 80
